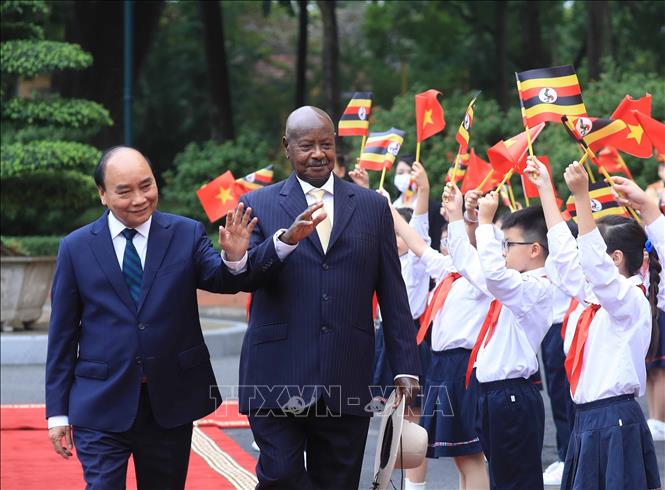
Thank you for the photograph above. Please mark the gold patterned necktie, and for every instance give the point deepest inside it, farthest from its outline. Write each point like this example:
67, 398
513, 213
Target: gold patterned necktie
325, 227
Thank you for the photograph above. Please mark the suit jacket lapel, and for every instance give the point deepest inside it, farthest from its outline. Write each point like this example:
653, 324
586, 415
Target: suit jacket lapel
102, 248
294, 202
159, 238
344, 207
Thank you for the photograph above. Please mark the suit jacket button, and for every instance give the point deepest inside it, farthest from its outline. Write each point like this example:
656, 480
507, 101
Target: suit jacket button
139, 361
324, 297
142, 326
325, 267
325, 329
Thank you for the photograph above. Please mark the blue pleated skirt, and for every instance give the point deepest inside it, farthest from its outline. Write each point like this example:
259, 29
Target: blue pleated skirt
610, 448
449, 409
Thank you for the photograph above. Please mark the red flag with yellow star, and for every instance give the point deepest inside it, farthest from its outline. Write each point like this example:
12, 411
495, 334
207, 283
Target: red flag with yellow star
509, 154
218, 196
655, 130
610, 158
635, 143
429, 115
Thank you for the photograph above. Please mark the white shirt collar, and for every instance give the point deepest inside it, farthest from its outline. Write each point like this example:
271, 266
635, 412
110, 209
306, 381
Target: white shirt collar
328, 186
116, 227
539, 272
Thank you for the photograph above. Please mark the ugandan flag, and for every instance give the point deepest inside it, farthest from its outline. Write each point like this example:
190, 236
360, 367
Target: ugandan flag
462, 136
546, 94
602, 202
381, 149
355, 119
461, 168
255, 180
598, 133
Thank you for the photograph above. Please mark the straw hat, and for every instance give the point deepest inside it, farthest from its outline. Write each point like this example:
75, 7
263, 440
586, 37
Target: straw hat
401, 444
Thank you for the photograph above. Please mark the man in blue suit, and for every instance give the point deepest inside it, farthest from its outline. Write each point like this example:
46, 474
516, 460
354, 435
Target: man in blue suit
321, 248
127, 367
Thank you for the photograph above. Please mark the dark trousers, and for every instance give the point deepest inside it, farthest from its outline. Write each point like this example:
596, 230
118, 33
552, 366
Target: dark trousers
511, 424
161, 456
558, 388
335, 445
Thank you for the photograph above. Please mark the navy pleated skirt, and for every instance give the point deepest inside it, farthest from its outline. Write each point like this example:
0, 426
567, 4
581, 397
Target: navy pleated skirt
610, 448
449, 409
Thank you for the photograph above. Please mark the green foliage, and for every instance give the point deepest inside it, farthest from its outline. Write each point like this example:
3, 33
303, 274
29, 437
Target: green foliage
28, 58
200, 163
45, 172
13, 24
45, 202
20, 159
73, 113
32, 246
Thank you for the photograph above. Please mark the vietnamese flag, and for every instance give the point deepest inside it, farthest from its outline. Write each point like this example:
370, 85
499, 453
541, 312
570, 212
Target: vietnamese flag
530, 190
610, 158
218, 196
510, 154
635, 143
476, 171
429, 115
655, 130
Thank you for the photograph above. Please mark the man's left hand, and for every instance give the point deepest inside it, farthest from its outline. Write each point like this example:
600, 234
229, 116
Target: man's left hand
234, 237
406, 387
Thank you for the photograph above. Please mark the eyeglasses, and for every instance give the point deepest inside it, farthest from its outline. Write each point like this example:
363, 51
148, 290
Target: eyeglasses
505, 244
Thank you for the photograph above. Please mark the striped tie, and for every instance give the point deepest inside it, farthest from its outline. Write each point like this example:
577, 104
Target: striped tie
131, 266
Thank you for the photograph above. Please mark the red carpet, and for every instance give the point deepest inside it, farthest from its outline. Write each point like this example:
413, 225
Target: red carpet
28, 461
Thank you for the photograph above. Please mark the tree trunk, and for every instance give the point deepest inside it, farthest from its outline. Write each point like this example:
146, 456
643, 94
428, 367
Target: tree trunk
98, 27
501, 40
218, 74
331, 89
597, 36
534, 56
301, 68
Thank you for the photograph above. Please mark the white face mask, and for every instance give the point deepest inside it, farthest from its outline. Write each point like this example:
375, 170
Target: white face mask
402, 182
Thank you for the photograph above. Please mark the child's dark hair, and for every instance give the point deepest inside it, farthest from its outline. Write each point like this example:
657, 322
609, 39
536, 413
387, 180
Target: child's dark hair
531, 222
626, 234
405, 213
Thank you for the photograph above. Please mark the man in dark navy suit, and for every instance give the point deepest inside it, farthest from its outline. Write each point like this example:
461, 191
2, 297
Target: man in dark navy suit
127, 370
321, 248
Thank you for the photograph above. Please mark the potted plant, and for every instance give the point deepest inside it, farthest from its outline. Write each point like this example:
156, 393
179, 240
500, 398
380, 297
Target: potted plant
45, 162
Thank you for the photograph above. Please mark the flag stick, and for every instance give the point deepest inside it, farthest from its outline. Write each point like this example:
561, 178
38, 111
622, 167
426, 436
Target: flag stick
362, 145
526, 126
418, 151
487, 177
609, 180
383, 177
511, 195
508, 175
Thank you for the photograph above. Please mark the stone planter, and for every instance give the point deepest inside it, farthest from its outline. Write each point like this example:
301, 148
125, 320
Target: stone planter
25, 283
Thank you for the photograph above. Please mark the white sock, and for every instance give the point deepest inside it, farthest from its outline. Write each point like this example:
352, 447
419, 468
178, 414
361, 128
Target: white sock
409, 485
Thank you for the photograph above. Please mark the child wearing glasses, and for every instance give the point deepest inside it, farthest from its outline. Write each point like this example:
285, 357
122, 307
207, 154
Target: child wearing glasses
611, 446
455, 312
510, 412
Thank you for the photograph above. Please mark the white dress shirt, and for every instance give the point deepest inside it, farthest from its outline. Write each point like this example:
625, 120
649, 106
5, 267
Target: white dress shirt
416, 278
525, 317
140, 242
458, 322
620, 332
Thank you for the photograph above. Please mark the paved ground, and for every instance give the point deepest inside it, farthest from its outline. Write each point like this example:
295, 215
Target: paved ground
24, 384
